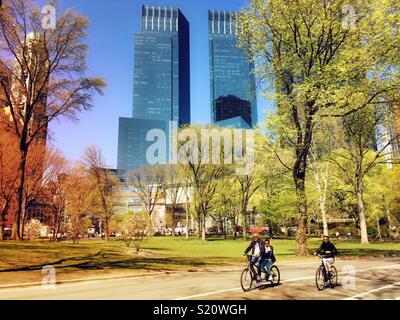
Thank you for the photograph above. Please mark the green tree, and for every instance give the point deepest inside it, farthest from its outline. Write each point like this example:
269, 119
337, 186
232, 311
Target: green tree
174, 191
247, 185
318, 65
380, 191
320, 181
357, 158
105, 186
228, 206
135, 227
276, 198
203, 161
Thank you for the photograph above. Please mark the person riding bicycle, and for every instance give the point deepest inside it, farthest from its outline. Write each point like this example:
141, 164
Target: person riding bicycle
269, 259
257, 248
328, 251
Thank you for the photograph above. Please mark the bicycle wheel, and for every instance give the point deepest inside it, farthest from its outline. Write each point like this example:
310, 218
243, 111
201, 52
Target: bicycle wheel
276, 275
333, 280
246, 280
319, 279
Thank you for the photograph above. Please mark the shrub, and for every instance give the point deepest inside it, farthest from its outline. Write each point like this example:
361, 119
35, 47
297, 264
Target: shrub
135, 227
32, 229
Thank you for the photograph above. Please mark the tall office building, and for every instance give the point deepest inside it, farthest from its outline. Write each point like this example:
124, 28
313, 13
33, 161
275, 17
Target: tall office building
396, 118
5, 82
232, 81
35, 49
393, 131
162, 75
161, 88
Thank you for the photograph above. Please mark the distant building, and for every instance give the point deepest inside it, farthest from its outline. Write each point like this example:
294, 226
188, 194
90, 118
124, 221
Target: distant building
395, 129
129, 199
228, 107
232, 80
5, 116
35, 49
234, 123
388, 134
132, 144
161, 88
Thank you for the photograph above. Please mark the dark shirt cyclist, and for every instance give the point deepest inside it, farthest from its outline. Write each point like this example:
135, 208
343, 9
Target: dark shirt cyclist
328, 251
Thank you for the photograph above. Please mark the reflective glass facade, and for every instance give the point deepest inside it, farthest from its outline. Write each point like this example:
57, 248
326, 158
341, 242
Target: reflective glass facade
161, 87
232, 82
234, 123
132, 144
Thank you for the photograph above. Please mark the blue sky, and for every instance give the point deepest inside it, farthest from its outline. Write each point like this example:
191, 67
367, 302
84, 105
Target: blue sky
110, 39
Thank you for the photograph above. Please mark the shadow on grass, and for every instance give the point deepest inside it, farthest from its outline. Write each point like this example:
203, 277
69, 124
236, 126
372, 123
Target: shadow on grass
104, 260
157, 249
54, 263
369, 252
143, 263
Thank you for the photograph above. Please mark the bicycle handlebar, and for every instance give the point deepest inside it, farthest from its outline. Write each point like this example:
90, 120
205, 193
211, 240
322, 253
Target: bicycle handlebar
249, 256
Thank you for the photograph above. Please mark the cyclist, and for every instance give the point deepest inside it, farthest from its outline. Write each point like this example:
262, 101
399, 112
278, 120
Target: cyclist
269, 258
257, 248
328, 251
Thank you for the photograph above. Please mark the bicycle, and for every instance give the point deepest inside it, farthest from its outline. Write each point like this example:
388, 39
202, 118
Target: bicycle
322, 279
249, 275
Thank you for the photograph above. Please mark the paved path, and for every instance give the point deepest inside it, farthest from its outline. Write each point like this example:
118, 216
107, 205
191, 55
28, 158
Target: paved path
374, 279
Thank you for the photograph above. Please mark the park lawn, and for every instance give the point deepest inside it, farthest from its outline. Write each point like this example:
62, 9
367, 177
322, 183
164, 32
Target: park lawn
97, 258
231, 250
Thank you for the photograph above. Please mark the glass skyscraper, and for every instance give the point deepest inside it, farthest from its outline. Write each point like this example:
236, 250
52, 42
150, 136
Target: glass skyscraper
162, 75
232, 81
161, 88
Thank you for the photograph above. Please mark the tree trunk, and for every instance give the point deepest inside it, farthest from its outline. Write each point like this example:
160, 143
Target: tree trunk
107, 228
325, 228
301, 236
173, 220
16, 228
220, 225
23, 219
389, 219
322, 208
225, 226
187, 211
203, 229
3, 220
199, 226
361, 211
234, 229
378, 227
322, 197
187, 223
309, 227
244, 224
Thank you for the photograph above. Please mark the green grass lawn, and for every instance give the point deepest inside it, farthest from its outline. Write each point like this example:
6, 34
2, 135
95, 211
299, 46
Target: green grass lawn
94, 258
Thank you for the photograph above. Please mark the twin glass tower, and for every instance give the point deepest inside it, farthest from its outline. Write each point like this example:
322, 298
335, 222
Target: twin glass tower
232, 81
161, 87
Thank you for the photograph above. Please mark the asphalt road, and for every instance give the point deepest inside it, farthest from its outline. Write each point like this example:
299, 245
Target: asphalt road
367, 279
